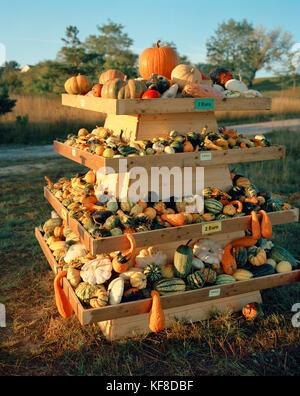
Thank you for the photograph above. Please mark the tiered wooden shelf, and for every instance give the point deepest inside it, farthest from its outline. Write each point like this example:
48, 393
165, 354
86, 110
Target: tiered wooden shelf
145, 119
164, 236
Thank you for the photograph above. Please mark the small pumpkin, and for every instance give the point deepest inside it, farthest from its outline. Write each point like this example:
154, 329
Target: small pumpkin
96, 90
252, 311
111, 75
257, 256
186, 74
79, 85
151, 94
99, 299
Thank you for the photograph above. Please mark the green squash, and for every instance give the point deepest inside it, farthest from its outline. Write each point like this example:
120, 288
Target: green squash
213, 206
170, 286
279, 254
153, 273
196, 280
183, 259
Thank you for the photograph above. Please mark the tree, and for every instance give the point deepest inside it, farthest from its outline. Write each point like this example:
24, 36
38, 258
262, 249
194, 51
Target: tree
289, 70
245, 50
6, 104
10, 76
112, 45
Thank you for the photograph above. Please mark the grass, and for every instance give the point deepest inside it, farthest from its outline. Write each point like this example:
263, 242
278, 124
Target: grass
37, 341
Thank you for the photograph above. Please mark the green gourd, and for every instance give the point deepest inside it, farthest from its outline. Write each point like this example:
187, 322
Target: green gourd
170, 286
153, 273
183, 259
213, 206
196, 280
279, 254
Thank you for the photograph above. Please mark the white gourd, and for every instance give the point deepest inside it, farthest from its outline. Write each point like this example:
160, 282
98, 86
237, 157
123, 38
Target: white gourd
76, 251
97, 272
116, 290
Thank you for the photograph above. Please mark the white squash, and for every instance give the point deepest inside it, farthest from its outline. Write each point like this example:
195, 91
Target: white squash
76, 251
150, 256
186, 74
97, 271
284, 266
171, 92
236, 86
116, 290
73, 276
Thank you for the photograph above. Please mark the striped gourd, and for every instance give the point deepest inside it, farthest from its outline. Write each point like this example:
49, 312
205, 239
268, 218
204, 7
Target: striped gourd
213, 206
183, 261
169, 286
242, 274
263, 270
224, 279
279, 254
153, 273
210, 276
240, 255
196, 280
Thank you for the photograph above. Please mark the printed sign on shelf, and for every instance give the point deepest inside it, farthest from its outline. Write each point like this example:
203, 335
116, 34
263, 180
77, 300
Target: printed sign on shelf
204, 104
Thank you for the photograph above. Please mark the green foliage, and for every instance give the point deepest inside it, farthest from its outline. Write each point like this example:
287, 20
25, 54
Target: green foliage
6, 104
245, 49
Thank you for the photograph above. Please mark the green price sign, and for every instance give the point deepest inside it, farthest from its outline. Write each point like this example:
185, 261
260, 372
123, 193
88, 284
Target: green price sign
204, 104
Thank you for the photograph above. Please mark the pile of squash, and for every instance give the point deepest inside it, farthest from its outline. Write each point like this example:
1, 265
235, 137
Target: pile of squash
131, 275
102, 141
105, 217
161, 76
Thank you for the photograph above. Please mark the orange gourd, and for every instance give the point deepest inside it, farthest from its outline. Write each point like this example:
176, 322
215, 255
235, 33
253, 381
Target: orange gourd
121, 261
188, 147
266, 225
158, 60
243, 145
245, 242
157, 321
253, 200
238, 204
176, 220
255, 226
79, 85
59, 232
228, 261
63, 304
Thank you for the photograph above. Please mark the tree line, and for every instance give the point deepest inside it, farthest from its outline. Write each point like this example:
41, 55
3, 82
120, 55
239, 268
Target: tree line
236, 45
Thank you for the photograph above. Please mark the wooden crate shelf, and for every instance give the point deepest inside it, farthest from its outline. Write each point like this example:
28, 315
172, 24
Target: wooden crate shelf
159, 106
164, 236
214, 293
218, 158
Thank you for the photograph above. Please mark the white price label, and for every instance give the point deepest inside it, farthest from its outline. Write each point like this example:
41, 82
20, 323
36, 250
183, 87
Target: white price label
205, 156
214, 293
82, 102
74, 152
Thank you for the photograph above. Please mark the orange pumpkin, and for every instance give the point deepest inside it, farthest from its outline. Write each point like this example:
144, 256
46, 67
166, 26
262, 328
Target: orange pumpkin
188, 147
79, 85
111, 75
158, 60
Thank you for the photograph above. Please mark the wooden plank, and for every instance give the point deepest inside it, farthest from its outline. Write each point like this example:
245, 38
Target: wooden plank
182, 160
159, 106
156, 237
191, 297
76, 305
88, 316
136, 325
47, 252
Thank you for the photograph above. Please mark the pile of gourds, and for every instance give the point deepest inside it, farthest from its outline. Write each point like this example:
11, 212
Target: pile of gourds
119, 277
161, 77
103, 217
101, 141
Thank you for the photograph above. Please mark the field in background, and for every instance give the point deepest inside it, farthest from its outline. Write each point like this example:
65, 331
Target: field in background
37, 341
48, 119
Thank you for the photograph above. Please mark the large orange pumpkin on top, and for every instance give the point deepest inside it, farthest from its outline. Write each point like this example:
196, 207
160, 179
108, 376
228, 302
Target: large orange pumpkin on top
158, 60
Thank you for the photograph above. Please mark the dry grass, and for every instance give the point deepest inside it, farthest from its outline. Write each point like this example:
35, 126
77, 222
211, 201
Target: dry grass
49, 109
282, 107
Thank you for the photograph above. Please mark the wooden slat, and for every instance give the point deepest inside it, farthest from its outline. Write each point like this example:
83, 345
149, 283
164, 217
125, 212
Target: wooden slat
191, 297
76, 305
151, 238
159, 106
89, 316
171, 160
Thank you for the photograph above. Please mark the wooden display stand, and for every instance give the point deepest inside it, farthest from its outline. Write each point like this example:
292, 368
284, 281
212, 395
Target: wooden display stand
145, 119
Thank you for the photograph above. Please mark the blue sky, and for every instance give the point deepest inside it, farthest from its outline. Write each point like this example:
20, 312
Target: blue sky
31, 30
